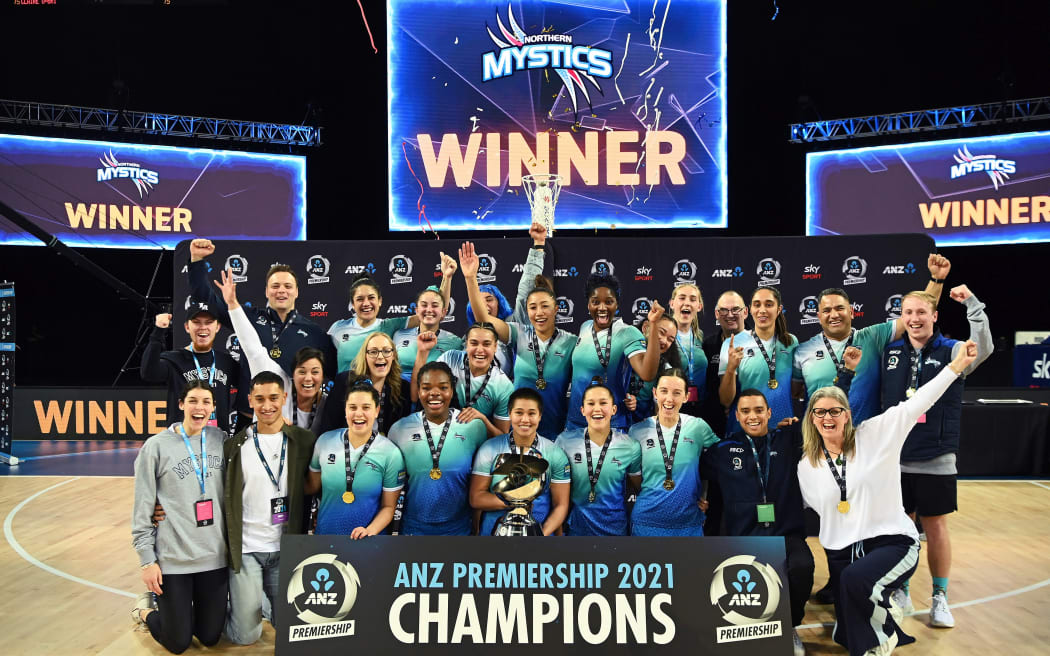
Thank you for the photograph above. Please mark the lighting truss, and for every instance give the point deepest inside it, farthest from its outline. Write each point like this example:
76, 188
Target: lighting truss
927, 120
127, 121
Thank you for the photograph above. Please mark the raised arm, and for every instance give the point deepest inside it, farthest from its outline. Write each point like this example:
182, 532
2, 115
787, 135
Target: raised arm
425, 342
647, 364
979, 330
727, 382
251, 346
197, 273
468, 264
448, 269
152, 368
533, 267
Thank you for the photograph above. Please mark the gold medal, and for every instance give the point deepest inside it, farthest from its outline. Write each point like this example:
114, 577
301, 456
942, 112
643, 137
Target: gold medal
843, 507
772, 383
541, 384
591, 497
669, 484
435, 473
348, 497
275, 352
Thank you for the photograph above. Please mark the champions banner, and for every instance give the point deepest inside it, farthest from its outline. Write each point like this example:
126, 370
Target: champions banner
437, 595
124, 195
988, 190
874, 270
624, 99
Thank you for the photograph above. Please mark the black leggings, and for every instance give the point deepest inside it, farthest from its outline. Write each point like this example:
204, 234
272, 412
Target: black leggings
800, 576
192, 605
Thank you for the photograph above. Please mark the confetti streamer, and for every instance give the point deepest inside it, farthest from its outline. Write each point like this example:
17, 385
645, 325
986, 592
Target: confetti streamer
777, 12
419, 201
367, 28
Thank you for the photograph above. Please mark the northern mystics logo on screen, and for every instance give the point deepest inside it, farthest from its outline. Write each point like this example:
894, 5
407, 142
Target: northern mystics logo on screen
998, 170
113, 169
523, 52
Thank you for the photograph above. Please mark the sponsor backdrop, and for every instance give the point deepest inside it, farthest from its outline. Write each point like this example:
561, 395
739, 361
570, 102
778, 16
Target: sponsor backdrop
435, 595
990, 190
625, 100
100, 193
7, 364
89, 413
875, 271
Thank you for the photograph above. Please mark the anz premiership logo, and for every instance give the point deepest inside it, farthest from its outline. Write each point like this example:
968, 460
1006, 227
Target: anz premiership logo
322, 591
565, 308
525, 52
238, 266
318, 266
486, 268
999, 170
747, 593
112, 169
853, 270
768, 272
400, 269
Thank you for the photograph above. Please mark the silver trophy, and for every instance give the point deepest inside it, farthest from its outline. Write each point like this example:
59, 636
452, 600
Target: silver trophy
526, 479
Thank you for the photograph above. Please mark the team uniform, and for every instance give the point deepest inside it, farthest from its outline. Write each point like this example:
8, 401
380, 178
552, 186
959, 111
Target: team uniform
607, 513
437, 506
873, 547
659, 511
405, 343
176, 368
753, 372
380, 468
558, 472
694, 361
625, 342
348, 337
816, 367
487, 397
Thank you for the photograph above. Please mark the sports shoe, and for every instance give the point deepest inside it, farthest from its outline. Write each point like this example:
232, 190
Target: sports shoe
800, 649
940, 614
885, 648
145, 601
902, 601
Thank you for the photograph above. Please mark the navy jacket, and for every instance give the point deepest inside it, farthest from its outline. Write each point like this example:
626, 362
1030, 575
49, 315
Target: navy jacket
939, 434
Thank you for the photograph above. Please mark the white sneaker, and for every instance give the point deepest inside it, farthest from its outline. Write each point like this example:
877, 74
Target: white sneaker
145, 601
885, 648
800, 649
902, 601
940, 614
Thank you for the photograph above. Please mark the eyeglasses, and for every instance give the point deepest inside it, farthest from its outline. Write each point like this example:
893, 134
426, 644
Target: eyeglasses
823, 412
375, 353
733, 310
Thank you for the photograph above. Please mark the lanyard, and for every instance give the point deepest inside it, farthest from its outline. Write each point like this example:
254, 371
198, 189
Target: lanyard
916, 370
276, 336
603, 356
214, 361
466, 383
532, 447
668, 458
593, 474
313, 409
382, 404
269, 472
838, 364
840, 479
540, 360
435, 452
345, 449
771, 362
678, 339
202, 470
763, 478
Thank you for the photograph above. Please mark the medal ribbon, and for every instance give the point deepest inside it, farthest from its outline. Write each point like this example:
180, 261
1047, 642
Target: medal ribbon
276, 336
466, 383
668, 459
603, 356
269, 472
350, 471
535, 343
435, 452
202, 470
839, 366
763, 479
211, 375
532, 447
593, 474
916, 369
840, 479
772, 362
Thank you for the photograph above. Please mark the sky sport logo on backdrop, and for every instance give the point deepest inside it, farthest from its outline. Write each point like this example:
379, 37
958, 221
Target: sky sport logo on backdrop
238, 266
768, 272
999, 170
318, 266
519, 51
112, 169
747, 593
322, 590
400, 269
854, 268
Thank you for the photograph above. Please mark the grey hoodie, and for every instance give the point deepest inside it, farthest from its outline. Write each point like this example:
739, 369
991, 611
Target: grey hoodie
164, 473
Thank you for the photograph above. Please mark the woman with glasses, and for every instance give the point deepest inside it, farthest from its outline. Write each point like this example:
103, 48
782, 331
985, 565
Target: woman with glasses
850, 475
730, 312
366, 299
760, 358
543, 351
376, 364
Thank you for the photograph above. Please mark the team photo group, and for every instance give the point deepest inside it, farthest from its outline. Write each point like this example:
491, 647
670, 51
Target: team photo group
376, 425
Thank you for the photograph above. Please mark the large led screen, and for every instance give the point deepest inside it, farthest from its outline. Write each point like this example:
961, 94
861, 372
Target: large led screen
124, 195
987, 190
624, 100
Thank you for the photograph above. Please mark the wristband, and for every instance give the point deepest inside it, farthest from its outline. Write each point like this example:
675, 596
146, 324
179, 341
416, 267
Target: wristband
939, 281
148, 565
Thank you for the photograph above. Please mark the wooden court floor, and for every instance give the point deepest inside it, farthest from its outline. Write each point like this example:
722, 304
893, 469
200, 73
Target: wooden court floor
70, 575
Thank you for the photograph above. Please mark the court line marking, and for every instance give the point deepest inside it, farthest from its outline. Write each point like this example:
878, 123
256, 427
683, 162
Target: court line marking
10, 536
1045, 487
22, 459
